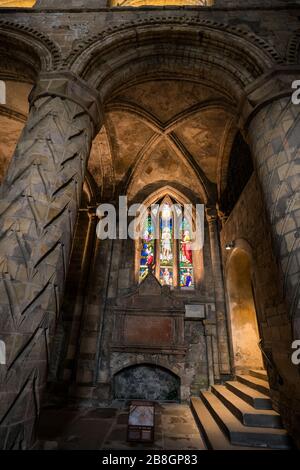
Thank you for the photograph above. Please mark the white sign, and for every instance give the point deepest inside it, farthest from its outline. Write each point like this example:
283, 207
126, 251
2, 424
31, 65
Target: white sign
195, 311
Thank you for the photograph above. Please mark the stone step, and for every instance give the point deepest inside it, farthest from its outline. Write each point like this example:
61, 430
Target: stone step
252, 382
240, 434
258, 400
246, 413
259, 374
214, 437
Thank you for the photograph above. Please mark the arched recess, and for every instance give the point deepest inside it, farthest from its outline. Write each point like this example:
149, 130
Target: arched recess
243, 320
126, 52
26, 52
146, 381
214, 55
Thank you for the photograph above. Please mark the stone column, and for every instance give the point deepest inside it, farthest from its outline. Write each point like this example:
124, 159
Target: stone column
274, 136
40, 199
222, 335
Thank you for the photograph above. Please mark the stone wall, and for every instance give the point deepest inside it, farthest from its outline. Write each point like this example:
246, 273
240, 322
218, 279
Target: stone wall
248, 223
112, 279
71, 33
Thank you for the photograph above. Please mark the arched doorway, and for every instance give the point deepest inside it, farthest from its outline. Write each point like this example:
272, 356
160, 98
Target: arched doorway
243, 320
147, 382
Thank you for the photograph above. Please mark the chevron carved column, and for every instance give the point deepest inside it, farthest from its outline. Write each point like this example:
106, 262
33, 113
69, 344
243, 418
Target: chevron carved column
274, 135
38, 208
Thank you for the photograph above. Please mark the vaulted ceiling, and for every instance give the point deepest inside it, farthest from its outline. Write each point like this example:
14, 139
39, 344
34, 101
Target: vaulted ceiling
167, 131
156, 133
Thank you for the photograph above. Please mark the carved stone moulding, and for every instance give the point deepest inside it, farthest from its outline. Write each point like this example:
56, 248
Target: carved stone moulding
68, 85
149, 320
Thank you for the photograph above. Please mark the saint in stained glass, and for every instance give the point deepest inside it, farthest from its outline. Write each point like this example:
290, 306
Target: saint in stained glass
166, 245
148, 247
186, 272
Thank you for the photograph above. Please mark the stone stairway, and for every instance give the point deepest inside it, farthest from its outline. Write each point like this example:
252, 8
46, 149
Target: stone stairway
239, 415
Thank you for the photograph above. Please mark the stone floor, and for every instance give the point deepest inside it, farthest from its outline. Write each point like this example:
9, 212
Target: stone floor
106, 428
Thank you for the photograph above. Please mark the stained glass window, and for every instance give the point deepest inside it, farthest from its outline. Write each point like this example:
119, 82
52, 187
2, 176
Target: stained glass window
166, 245
186, 272
168, 250
148, 246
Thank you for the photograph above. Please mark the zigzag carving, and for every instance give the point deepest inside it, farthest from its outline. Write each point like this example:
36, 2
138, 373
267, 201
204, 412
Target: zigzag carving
40, 199
81, 47
293, 49
47, 50
278, 162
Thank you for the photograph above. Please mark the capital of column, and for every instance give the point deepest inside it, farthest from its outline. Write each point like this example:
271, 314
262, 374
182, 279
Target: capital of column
271, 86
69, 86
211, 214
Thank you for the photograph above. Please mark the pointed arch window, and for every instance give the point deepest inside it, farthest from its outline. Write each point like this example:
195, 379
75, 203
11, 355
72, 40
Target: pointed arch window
166, 246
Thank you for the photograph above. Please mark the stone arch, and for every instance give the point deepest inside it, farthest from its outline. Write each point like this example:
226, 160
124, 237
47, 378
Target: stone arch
180, 49
159, 361
162, 191
32, 48
248, 56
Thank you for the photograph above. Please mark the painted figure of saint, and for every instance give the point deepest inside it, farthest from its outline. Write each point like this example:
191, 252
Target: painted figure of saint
186, 247
150, 258
166, 243
167, 277
188, 279
147, 236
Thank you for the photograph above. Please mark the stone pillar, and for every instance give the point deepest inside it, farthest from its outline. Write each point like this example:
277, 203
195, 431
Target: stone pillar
40, 199
222, 335
274, 136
